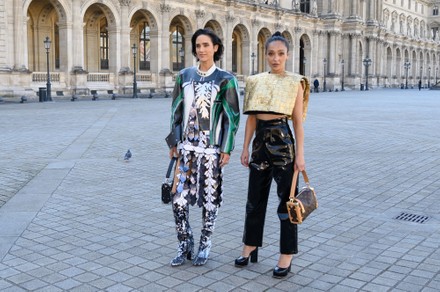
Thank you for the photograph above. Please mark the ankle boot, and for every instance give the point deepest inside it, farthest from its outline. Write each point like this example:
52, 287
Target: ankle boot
203, 254
185, 250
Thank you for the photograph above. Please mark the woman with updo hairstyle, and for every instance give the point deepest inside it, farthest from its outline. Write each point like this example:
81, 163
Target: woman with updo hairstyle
204, 120
271, 99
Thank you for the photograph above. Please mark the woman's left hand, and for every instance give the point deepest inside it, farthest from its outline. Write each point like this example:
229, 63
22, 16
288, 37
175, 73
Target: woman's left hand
224, 159
300, 164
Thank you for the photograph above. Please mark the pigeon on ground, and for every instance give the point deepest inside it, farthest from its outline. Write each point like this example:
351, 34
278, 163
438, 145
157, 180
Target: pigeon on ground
127, 155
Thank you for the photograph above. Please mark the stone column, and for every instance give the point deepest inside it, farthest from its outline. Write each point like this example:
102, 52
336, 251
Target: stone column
332, 60
294, 51
78, 79
353, 58
124, 43
77, 40
20, 37
65, 36
354, 9
165, 74
5, 56
315, 61
253, 46
227, 42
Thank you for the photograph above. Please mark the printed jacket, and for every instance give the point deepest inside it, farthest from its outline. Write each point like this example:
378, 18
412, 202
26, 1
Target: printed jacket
224, 106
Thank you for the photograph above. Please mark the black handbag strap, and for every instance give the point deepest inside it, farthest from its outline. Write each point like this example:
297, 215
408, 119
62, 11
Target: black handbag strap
170, 167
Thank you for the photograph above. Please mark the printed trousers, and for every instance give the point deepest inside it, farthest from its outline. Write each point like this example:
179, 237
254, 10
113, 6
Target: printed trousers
183, 228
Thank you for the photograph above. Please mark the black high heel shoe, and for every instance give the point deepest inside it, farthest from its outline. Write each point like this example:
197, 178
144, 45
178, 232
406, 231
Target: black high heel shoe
281, 272
243, 261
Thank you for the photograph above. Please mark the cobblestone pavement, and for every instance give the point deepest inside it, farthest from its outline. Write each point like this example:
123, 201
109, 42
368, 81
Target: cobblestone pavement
75, 217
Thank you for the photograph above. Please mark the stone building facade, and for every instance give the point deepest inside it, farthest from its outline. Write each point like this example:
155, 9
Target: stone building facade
91, 41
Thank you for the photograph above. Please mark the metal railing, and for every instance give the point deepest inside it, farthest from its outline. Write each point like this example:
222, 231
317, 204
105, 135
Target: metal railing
144, 77
42, 77
98, 77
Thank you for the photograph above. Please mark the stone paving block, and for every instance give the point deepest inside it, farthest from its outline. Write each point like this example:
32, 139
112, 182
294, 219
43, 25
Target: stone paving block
119, 288
102, 283
372, 287
4, 285
83, 288
34, 284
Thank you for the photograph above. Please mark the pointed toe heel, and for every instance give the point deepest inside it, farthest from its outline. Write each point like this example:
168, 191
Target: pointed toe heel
243, 261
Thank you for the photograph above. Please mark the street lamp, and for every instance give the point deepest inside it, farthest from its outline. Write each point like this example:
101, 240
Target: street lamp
325, 65
304, 65
406, 65
48, 85
429, 77
134, 51
367, 63
342, 81
253, 56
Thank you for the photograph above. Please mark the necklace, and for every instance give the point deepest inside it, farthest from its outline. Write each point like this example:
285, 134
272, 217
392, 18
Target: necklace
206, 73
201, 73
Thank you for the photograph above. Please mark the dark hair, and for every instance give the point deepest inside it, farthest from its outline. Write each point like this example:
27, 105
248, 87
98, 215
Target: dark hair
277, 36
215, 41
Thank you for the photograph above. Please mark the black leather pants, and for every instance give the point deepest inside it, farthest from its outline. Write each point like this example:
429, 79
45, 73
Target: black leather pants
273, 157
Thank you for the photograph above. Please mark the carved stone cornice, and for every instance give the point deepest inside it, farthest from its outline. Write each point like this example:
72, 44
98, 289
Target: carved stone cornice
255, 22
200, 13
165, 8
229, 18
125, 2
355, 35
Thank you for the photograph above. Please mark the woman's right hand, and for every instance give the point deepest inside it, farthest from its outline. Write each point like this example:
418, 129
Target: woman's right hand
173, 152
245, 157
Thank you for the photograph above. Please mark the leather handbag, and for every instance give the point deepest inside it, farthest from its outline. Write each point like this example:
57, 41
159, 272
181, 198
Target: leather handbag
167, 185
300, 207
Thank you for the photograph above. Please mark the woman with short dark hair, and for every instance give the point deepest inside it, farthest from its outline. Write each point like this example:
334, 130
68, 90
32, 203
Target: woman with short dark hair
205, 115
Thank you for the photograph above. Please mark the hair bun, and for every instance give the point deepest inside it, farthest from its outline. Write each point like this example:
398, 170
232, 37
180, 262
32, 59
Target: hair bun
277, 33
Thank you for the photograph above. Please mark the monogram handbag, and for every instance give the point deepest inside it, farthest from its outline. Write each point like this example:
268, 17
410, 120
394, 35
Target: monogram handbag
300, 207
167, 185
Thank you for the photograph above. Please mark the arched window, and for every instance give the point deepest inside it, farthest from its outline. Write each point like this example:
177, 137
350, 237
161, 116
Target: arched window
144, 47
305, 6
177, 53
435, 10
104, 44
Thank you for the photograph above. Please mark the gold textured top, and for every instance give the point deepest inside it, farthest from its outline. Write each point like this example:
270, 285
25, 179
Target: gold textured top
275, 93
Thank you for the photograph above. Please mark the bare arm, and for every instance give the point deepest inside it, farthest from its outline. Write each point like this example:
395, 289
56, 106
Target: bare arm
251, 124
297, 119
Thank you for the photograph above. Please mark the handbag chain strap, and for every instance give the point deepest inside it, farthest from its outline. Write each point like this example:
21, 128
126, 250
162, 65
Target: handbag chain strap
295, 180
